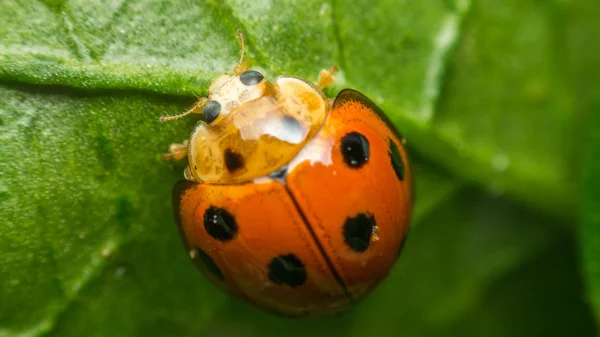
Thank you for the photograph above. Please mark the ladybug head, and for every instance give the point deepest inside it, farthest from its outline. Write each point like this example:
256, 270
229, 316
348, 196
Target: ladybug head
228, 92
251, 127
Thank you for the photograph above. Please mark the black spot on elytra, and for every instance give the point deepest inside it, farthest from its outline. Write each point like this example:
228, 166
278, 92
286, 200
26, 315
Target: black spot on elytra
233, 160
220, 224
355, 149
288, 270
209, 263
358, 230
396, 158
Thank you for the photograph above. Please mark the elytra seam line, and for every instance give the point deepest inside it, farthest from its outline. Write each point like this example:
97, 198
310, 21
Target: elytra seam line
337, 276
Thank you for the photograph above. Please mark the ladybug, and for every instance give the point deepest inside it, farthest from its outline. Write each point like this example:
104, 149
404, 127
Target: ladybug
294, 202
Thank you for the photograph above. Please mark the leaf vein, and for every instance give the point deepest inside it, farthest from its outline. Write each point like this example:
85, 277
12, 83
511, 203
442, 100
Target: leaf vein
338, 37
444, 41
77, 46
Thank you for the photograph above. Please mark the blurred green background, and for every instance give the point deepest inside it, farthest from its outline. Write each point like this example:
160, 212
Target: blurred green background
499, 101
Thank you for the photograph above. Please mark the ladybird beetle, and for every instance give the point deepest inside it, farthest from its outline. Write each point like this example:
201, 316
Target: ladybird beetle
297, 203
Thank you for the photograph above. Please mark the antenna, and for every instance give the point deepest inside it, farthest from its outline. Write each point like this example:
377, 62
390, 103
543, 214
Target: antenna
241, 65
194, 109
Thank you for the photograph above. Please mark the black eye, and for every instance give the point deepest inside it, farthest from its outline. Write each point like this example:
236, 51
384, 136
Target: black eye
251, 77
211, 111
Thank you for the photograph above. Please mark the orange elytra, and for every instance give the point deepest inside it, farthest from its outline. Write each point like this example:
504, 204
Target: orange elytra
297, 203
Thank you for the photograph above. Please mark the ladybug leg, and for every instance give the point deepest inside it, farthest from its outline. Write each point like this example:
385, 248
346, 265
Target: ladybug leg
326, 77
177, 151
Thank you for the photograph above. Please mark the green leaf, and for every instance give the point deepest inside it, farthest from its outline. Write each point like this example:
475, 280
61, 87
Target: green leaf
174, 47
494, 94
127, 45
83, 208
590, 231
506, 112
527, 303
586, 80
